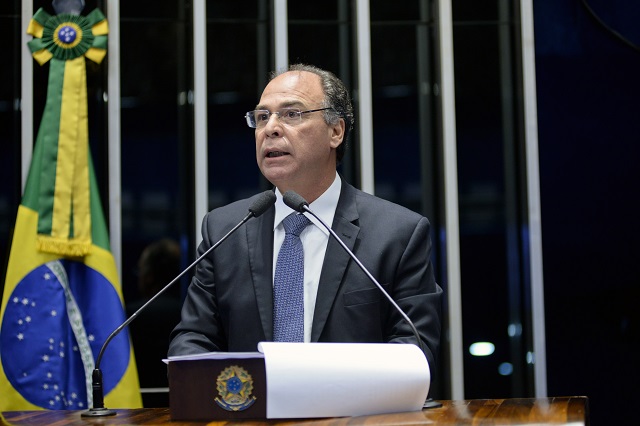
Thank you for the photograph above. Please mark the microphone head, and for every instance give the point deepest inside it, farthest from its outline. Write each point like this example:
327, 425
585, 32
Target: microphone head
263, 203
295, 201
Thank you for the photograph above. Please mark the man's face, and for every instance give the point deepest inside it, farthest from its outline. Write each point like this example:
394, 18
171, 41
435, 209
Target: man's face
299, 156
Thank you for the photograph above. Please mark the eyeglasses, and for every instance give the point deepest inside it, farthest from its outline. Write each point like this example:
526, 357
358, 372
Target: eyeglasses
259, 118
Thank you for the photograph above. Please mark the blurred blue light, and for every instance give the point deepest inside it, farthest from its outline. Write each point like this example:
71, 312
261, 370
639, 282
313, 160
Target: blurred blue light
505, 369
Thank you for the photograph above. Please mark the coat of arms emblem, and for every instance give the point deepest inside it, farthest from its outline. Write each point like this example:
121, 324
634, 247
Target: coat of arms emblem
234, 385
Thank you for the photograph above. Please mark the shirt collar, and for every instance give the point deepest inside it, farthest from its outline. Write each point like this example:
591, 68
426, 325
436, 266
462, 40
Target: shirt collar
324, 206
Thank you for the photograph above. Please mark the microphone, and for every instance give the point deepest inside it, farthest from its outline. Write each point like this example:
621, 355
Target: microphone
299, 204
260, 206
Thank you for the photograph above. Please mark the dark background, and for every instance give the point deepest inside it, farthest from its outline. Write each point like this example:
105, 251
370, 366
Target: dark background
588, 86
589, 133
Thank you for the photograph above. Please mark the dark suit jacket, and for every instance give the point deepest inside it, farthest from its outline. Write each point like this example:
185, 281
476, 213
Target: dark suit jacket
229, 304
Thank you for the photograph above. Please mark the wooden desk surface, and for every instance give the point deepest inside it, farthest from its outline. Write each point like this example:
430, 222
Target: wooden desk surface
518, 411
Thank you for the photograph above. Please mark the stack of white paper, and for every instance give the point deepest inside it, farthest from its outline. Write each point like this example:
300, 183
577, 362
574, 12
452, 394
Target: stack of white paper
343, 379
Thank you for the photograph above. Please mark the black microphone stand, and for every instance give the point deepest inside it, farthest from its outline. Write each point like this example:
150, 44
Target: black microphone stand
366, 271
99, 410
298, 203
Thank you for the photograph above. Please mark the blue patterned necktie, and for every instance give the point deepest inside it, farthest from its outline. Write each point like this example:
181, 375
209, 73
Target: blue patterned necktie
288, 283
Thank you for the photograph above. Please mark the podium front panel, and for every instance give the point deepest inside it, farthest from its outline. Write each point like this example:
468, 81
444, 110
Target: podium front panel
211, 389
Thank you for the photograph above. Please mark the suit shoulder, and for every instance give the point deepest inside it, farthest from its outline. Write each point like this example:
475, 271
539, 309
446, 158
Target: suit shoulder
222, 218
380, 207
235, 208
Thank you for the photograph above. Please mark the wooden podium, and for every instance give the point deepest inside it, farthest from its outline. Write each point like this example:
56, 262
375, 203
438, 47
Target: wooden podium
572, 410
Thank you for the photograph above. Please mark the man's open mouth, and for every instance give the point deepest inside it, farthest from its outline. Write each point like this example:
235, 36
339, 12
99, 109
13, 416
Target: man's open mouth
274, 154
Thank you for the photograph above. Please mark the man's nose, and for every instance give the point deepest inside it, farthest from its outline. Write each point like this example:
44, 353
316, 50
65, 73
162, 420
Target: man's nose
272, 127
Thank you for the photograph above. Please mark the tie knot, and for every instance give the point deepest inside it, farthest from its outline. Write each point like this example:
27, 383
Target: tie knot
295, 223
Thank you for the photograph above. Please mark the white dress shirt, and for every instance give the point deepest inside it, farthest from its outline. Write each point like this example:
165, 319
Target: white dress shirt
314, 240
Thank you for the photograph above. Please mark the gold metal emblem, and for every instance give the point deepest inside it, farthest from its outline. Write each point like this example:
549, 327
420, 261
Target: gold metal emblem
234, 386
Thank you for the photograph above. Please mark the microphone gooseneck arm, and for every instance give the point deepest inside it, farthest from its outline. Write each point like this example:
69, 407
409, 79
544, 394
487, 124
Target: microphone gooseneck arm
155, 296
261, 205
299, 204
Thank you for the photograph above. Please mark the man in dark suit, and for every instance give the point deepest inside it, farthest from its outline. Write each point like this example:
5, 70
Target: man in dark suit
301, 124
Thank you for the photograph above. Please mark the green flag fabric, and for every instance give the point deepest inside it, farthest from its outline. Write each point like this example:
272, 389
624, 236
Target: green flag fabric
62, 296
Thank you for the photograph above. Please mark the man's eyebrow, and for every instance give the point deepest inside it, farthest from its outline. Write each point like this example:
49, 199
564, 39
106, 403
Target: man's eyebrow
288, 104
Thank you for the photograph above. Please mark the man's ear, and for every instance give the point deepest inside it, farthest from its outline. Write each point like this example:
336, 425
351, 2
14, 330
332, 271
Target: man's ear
337, 133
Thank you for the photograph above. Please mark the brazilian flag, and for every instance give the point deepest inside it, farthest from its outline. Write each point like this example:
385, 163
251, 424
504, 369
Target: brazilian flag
62, 297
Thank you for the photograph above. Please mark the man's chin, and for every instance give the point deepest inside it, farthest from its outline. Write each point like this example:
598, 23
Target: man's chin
278, 176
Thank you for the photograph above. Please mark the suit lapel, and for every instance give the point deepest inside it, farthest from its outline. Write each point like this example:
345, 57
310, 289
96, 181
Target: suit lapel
260, 242
336, 258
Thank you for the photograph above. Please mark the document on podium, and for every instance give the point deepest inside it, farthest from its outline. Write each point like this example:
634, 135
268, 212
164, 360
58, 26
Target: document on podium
215, 355
343, 379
